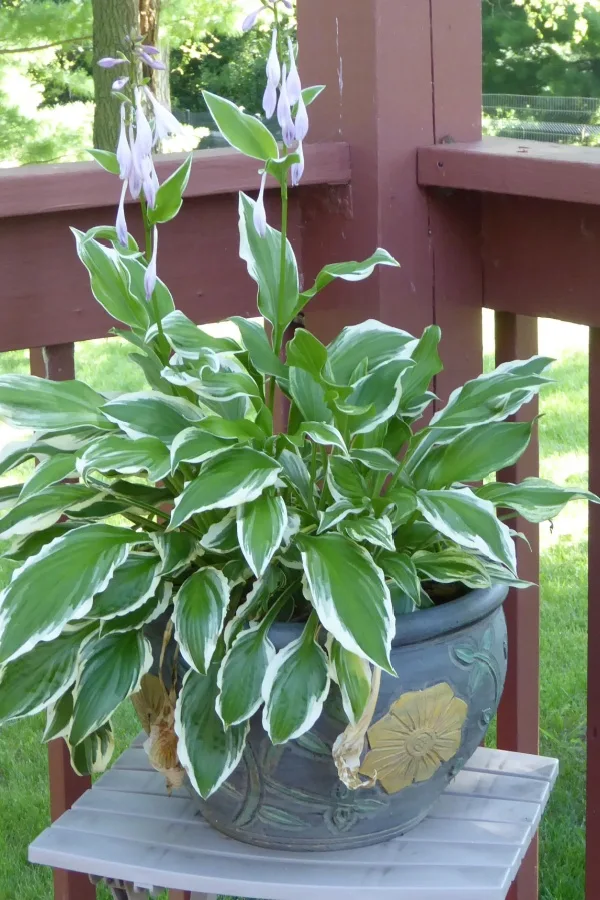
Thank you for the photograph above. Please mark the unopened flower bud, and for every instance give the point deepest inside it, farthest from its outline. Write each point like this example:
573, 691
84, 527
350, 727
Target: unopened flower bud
150, 276
273, 64
155, 64
120, 83
122, 232
301, 123
123, 149
165, 122
251, 19
270, 100
294, 87
148, 48
297, 170
260, 214
135, 176
284, 114
109, 62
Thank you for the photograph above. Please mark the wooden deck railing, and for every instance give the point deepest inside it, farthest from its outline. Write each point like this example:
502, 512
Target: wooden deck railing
515, 227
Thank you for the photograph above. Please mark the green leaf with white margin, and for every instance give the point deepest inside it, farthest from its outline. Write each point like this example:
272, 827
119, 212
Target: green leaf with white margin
208, 751
262, 256
295, 687
473, 454
200, 607
376, 459
149, 611
305, 351
326, 435
450, 565
169, 196
150, 414
221, 536
370, 530
353, 676
136, 271
242, 673
244, 132
371, 340
500, 575
378, 393
494, 396
309, 396
261, 526
536, 499
177, 549
336, 513
340, 575
116, 453
67, 573
223, 386
110, 670
259, 348
58, 717
50, 471
296, 473
469, 521
32, 682
427, 364
132, 583
310, 94
43, 510
107, 160
109, 281
239, 430
93, 755
234, 476
30, 402
195, 446
349, 271
345, 481
187, 340
401, 569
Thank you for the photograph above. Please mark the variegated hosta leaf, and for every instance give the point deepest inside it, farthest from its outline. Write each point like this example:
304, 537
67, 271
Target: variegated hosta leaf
305, 351
370, 340
340, 575
415, 396
208, 751
376, 459
65, 575
234, 476
337, 513
195, 446
30, 402
370, 530
132, 583
326, 435
534, 498
110, 669
221, 536
199, 615
378, 393
470, 521
32, 682
177, 549
150, 610
58, 717
150, 414
43, 510
263, 357
295, 686
401, 569
296, 473
115, 453
309, 396
223, 386
256, 601
261, 526
494, 396
50, 471
345, 481
353, 675
450, 565
187, 340
92, 755
242, 674
349, 271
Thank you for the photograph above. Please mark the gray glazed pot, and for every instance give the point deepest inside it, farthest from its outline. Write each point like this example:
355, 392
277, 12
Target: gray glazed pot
451, 665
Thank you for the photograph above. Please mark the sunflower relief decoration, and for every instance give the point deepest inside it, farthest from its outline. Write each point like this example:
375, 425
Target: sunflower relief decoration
422, 730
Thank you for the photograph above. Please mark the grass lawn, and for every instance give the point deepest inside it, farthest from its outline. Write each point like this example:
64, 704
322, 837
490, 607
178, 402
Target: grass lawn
563, 433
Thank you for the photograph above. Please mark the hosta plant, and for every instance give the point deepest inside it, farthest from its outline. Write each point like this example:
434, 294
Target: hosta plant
182, 504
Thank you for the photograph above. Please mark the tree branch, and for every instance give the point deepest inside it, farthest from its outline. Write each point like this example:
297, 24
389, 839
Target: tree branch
75, 40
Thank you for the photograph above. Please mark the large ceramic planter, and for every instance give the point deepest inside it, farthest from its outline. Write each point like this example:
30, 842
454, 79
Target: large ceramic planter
451, 665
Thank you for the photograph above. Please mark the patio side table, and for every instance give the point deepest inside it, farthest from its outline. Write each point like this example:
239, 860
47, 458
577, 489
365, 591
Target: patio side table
127, 831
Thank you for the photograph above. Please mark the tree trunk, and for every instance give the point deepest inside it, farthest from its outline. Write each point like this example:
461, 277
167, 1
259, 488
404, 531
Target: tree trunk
150, 28
113, 20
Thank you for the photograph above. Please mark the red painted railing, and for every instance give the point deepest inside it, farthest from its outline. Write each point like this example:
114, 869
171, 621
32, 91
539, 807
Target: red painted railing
475, 223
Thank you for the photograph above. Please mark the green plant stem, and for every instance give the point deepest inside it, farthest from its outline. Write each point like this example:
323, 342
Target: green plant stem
278, 336
146, 524
148, 254
271, 394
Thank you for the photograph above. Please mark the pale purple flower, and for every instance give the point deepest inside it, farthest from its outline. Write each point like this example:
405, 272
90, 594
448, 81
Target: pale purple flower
109, 62
149, 181
260, 214
135, 176
120, 83
122, 232
297, 170
284, 114
294, 87
123, 149
288, 4
250, 20
152, 51
150, 276
153, 63
165, 122
301, 123
144, 139
270, 100
273, 64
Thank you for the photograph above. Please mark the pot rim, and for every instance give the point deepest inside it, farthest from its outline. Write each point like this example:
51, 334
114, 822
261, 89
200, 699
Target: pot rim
424, 624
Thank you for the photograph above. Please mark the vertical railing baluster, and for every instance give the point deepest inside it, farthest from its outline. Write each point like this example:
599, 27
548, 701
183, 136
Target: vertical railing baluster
593, 709
518, 716
58, 363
